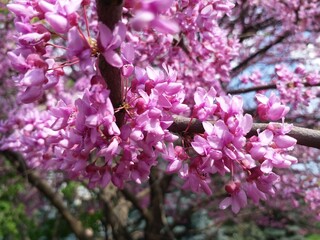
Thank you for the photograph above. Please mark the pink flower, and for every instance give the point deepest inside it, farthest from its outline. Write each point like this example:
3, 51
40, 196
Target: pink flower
230, 106
237, 199
148, 14
109, 42
254, 193
62, 113
175, 155
22, 10
266, 182
271, 108
31, 94
197, 176
58, 23
127, 52
79, 47
205, 104
32, 39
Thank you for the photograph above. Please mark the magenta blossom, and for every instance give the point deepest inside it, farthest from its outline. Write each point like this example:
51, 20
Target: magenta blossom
271, 108
150, 14
237, 199
205, 104
109, 42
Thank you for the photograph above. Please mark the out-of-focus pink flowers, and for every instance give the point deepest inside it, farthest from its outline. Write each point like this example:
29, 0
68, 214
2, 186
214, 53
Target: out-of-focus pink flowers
312, 197
149, 13
36, 76
294, 86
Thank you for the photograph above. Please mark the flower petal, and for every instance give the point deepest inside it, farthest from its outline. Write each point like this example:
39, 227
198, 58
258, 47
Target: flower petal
113, 58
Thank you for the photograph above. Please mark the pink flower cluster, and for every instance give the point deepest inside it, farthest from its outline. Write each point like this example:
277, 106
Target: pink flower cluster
120, 154
224, 149
200, 51
39, 72
51, 37
82, 138
294, 86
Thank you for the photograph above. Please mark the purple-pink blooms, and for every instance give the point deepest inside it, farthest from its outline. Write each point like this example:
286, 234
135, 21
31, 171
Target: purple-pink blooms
75, 128
271, 108
109, 41
150, 14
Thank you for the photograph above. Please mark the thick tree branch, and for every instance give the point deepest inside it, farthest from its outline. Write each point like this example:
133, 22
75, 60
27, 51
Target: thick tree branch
304, 136
157, 226
119, 231
110, 12
154, 224
54, 198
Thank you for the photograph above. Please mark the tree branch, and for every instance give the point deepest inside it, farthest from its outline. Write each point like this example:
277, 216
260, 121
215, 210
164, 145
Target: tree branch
109, 13
154, 224
157, 226
119, 232
54, 198
264, 87
135, 202
252, 89
304, 136
235, 71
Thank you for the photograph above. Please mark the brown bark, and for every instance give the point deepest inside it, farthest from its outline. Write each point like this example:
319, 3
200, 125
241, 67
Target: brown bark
154, 223
304, 136
110, 12
113, 215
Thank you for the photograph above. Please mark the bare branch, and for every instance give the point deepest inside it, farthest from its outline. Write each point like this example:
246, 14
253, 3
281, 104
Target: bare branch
54, 198
253, 89
157, 223
264, 87
236, 70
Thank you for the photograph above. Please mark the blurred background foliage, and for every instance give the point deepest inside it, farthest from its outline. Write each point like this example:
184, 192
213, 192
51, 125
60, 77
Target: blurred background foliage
26, 214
